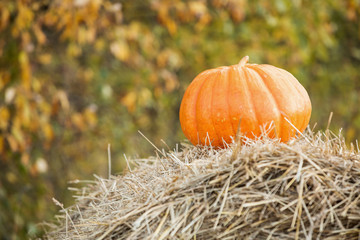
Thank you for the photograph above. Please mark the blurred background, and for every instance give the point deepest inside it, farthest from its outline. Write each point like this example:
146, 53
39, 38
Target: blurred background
77, 75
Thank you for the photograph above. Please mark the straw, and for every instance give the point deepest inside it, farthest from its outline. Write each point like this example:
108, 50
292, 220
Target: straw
308, 188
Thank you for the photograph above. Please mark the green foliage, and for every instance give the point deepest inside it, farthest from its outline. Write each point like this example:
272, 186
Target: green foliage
76, 75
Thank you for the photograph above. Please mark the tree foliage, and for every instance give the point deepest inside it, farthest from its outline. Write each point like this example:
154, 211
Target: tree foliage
76, 75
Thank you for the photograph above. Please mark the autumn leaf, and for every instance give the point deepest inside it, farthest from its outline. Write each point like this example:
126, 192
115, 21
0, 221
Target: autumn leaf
4, 118
120, 50
129, 101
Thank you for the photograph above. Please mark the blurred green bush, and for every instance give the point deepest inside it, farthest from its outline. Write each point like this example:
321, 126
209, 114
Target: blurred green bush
76, 75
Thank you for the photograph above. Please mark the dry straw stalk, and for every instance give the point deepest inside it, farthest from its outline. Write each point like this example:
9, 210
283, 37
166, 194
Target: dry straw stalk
308, 188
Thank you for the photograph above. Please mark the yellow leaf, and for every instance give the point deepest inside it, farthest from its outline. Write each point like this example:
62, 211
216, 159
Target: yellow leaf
48, 131
197, 8
73, 50
82, 35
129, 101
13, 143
23, 18
164, 17
26, 115
64, 102
99, 44
36, 85
81, 3
18, 136
4, 118
45, 58
145, 96
78, 121
1, 144
5, 16
171, 26
45, 108
40, 36
91, 35
25, 69
120, 50
4, 78
133, 31
50, 18
90, 116
25, 159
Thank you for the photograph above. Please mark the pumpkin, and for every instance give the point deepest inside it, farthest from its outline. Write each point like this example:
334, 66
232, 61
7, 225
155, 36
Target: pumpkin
250, 97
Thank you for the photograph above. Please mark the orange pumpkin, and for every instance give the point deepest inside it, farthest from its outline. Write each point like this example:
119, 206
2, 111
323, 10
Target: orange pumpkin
249, 97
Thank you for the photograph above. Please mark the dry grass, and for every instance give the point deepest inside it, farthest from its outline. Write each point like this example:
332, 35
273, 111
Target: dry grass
308, 188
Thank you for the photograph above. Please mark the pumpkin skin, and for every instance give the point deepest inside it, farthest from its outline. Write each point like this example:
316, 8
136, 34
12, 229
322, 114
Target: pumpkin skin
249, 97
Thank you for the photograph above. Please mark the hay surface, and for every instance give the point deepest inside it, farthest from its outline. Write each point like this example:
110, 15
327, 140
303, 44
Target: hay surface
308, 188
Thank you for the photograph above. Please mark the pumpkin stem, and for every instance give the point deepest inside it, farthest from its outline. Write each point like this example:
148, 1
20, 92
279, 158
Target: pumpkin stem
243, 61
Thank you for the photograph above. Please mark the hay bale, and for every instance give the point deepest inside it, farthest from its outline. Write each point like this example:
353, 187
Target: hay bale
308, 188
